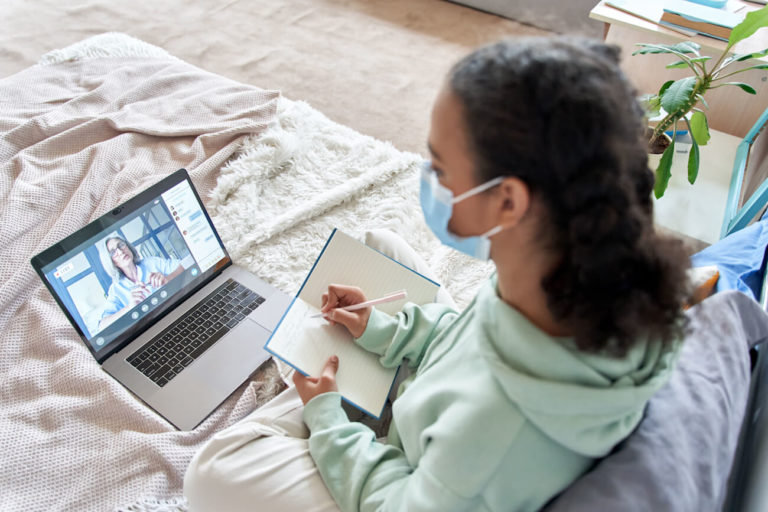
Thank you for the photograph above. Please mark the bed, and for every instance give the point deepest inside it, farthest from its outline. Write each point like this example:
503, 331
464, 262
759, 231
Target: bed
276, 182
95, 129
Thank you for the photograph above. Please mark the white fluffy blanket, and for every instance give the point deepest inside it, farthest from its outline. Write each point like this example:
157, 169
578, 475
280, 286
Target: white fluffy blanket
278, 201
71, 438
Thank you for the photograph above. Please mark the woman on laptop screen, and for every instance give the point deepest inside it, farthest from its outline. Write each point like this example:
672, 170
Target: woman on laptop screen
137, 278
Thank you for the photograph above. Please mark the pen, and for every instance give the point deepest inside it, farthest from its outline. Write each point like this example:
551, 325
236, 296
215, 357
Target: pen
381, 300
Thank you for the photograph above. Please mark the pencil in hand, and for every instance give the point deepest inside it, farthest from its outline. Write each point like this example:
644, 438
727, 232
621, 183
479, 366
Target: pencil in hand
381, 300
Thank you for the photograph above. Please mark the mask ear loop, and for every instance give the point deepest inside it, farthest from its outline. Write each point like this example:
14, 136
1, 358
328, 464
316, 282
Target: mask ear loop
476, 190
493, 231
480, 188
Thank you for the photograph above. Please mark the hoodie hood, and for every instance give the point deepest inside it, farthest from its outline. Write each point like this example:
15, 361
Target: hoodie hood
586, 402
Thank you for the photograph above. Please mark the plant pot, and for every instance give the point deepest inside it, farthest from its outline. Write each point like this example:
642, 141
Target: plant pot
660, 144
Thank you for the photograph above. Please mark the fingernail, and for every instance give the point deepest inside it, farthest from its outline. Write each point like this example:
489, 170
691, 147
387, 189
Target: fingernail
334, 359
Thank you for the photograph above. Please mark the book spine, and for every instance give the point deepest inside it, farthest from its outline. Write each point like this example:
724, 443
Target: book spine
699, 26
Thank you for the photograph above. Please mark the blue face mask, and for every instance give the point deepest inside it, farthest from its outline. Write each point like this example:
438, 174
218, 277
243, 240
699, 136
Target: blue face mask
437, 204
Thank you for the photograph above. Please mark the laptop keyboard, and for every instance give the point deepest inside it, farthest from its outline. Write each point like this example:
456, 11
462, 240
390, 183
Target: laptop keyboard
166, 355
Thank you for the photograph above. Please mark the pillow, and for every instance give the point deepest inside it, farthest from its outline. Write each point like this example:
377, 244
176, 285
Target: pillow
680, 455
701, 283
739, 258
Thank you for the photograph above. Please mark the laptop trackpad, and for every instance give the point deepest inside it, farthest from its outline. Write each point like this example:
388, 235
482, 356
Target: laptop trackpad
269, 314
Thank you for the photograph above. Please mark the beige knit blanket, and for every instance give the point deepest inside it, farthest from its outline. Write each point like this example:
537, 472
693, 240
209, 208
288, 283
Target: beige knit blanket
76, 139
84, 132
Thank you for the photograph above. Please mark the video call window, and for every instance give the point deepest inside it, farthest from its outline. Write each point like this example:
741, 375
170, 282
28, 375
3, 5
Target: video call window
88, 276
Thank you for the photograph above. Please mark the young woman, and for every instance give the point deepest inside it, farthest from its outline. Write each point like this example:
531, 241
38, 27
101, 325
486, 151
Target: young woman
538, 163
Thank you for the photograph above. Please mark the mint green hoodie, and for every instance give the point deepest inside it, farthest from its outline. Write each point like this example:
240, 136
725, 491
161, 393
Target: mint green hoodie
497, 416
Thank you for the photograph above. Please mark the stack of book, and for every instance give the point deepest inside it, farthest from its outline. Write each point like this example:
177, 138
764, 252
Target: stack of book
708, 21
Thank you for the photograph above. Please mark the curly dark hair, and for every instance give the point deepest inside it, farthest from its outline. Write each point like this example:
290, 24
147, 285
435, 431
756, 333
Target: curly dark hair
559, 114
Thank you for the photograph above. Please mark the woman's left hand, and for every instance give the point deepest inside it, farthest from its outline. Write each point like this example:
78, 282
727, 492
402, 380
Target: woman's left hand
310, 387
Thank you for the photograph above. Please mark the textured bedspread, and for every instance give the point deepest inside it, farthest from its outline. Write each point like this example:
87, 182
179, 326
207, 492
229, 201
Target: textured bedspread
77, 139
88, 130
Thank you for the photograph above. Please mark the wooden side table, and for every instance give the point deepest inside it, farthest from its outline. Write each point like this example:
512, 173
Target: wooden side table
731, 188
697, 210
731, 110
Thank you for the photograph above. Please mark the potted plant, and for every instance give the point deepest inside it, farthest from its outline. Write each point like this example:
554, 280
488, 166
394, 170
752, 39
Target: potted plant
679, 99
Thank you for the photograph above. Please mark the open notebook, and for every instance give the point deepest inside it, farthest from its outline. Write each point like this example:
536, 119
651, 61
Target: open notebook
306, 342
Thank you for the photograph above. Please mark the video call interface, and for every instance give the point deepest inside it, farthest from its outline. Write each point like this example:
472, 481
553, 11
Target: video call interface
136, 266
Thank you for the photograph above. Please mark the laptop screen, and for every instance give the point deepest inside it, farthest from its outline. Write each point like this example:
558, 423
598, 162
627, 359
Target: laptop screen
117, 276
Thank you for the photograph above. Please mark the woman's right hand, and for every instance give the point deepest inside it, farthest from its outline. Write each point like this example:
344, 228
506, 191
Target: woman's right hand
138, 293
339, 296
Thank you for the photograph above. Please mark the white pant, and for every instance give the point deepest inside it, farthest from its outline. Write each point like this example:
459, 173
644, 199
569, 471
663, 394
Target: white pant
262, 463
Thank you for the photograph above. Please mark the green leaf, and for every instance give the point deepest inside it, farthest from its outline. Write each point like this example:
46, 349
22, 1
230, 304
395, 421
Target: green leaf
693, 155
693, 163
651, 104
663, 171
747, 56
684, 47
680, 64
739, 57
699, 128
744, 87
694, 59
752, 22
688, 47
652, 48
678, 95
665, 86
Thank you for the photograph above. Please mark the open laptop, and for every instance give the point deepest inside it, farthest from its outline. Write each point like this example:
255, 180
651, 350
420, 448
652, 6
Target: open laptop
152, 292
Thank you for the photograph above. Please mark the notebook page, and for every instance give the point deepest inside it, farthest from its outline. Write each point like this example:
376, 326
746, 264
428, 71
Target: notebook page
308, 342
346, 260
